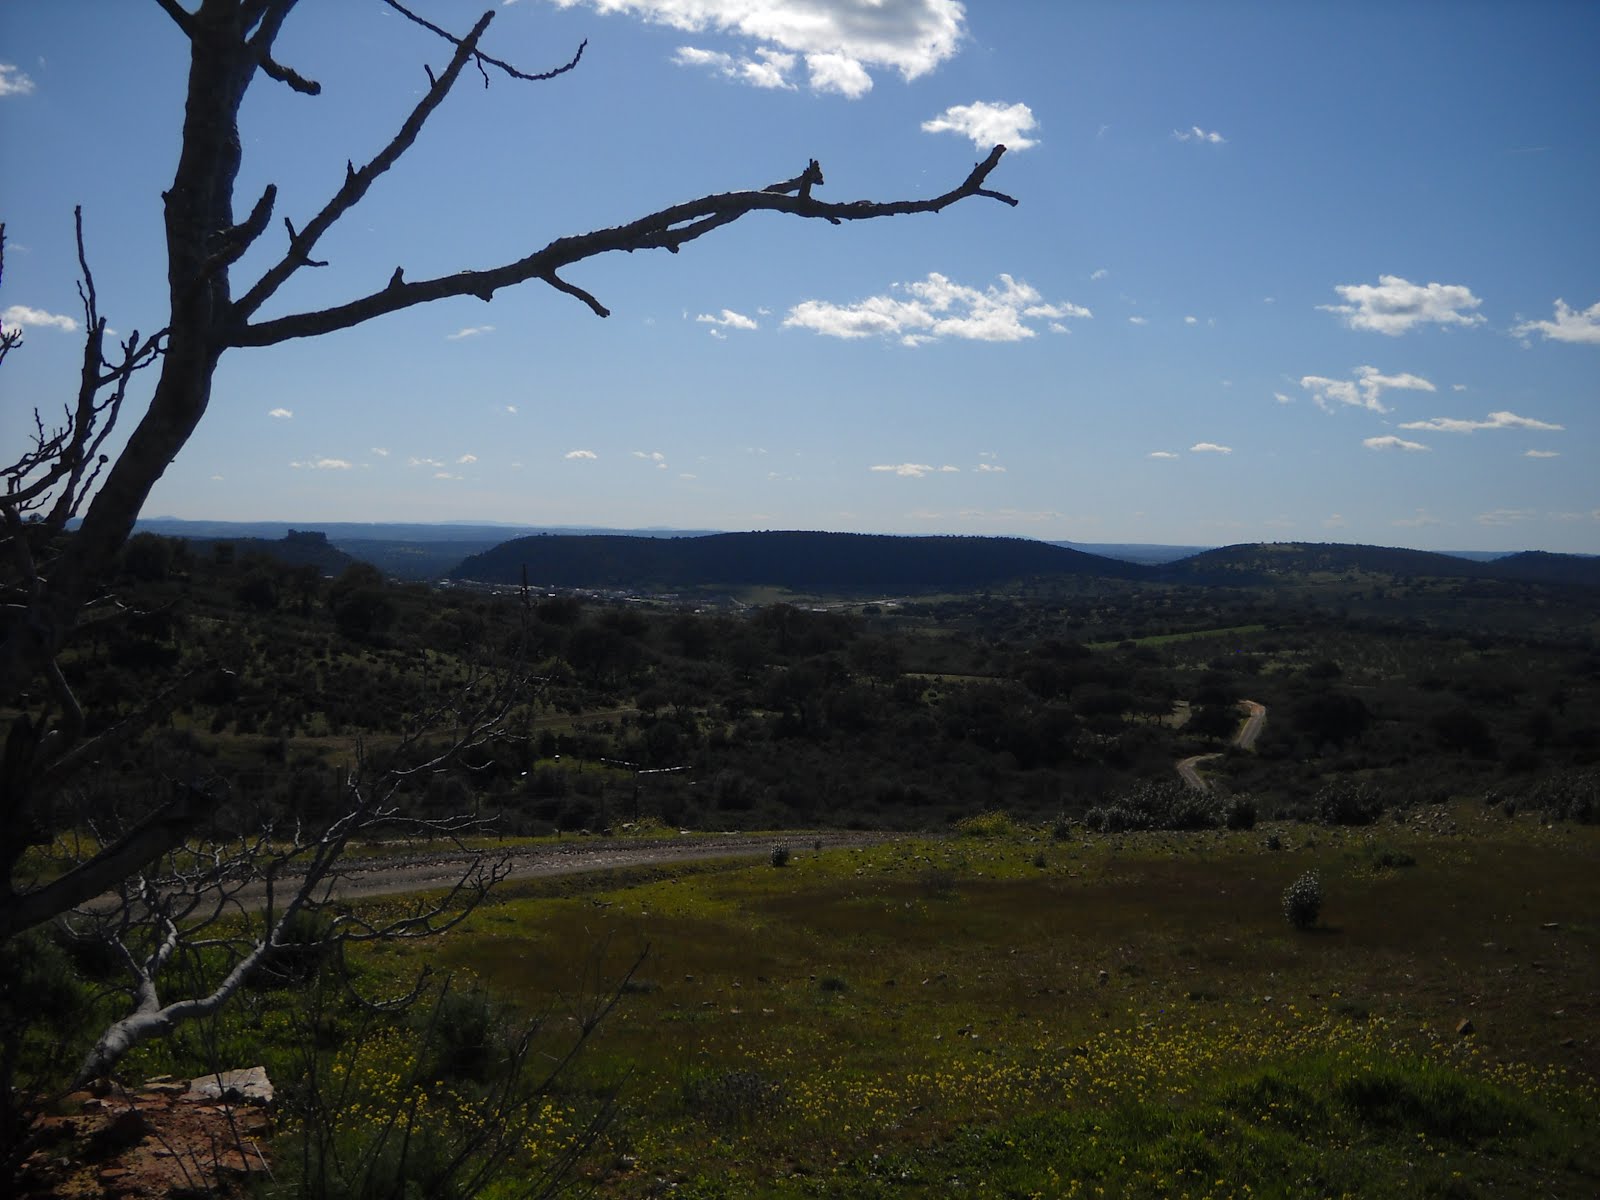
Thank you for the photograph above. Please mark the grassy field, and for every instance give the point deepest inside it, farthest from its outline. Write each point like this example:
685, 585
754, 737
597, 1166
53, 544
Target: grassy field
1012, 1015
1003, 1013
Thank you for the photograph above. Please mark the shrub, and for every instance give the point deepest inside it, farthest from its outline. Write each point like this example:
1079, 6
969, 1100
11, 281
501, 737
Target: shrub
780, 855
1302, 901
1348, 803
991, 824
1239, 812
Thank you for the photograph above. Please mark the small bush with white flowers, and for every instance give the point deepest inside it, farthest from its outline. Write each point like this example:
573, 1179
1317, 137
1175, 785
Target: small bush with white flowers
1302, 901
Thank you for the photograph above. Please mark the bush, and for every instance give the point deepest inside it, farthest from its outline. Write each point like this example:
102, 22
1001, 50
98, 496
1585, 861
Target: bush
1239, 812
1302, 901
988, 825
1347, 803
780, 855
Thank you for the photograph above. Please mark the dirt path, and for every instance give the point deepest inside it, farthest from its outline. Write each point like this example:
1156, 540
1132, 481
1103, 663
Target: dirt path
425, 872
1245, 739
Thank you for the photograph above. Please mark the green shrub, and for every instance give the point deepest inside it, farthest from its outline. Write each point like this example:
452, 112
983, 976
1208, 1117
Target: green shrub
1239, 812
1302, 901
1347, 803
992, 824
780, 855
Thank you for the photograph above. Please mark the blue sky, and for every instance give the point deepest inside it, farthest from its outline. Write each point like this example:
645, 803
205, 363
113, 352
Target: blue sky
1278, 272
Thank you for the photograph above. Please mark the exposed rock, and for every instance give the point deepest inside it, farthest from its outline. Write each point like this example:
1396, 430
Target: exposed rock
250, 1085
169, 1139
1465, 1028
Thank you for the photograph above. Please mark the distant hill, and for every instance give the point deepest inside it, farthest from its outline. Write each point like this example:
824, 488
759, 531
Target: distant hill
403, 550
1266, 562
298, 548
798, 560
1541, 567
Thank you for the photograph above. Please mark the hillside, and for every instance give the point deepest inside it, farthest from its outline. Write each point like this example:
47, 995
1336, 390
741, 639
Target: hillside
1266, 563
798, 560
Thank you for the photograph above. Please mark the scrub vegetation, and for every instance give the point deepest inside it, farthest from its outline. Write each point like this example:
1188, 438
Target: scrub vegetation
1362, 962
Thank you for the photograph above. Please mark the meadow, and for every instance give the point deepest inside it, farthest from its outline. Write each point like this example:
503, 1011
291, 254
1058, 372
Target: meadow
1015, 1011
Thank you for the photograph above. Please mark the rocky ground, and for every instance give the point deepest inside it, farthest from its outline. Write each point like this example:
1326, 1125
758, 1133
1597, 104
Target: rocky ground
168, 1138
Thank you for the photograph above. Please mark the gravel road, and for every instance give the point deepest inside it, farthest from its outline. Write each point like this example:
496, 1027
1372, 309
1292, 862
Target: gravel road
390, 876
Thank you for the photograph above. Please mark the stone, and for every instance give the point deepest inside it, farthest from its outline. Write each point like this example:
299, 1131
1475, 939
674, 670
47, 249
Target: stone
249, 1084
1465, 1028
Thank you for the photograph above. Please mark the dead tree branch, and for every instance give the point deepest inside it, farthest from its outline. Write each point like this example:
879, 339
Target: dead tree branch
669, 229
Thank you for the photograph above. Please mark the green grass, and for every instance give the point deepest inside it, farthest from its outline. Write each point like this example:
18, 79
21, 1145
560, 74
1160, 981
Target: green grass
1134, 1018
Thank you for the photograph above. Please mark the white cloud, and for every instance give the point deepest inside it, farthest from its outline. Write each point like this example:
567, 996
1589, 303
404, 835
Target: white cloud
936, 308
1209, 448
988, 467
1335, 521
1162, 454
21, 316
321, 464
1501, 517
587, 455
465, 459
1191, 320
13, 82
512, 409
654, 456
1138, 320
1421, 520
1495, 420
947, 469
1196, 134
838, 73
987, 124
1390, 442
282, 414
380, 451
1099, 273
423, 462
1282, 399
728, 320
471, 331
842, 41
1364, 391
1541, 454
1393, 305
1569, 325
768, 69
907, 470
445, 475
1458, 387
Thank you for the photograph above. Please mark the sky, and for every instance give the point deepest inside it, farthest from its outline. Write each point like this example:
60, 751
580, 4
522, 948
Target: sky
1278, 272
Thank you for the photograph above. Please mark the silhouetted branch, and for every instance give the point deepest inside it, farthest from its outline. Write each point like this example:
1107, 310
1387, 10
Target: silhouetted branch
668, 229
356, 182
482, 58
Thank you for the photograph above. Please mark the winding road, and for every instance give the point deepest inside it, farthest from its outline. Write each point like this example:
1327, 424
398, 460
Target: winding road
1245, 739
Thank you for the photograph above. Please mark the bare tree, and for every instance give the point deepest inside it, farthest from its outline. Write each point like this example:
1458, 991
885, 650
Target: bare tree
50, 576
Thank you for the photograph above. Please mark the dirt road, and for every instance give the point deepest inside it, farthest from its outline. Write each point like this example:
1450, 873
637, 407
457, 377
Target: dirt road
424, 872
1245, 739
